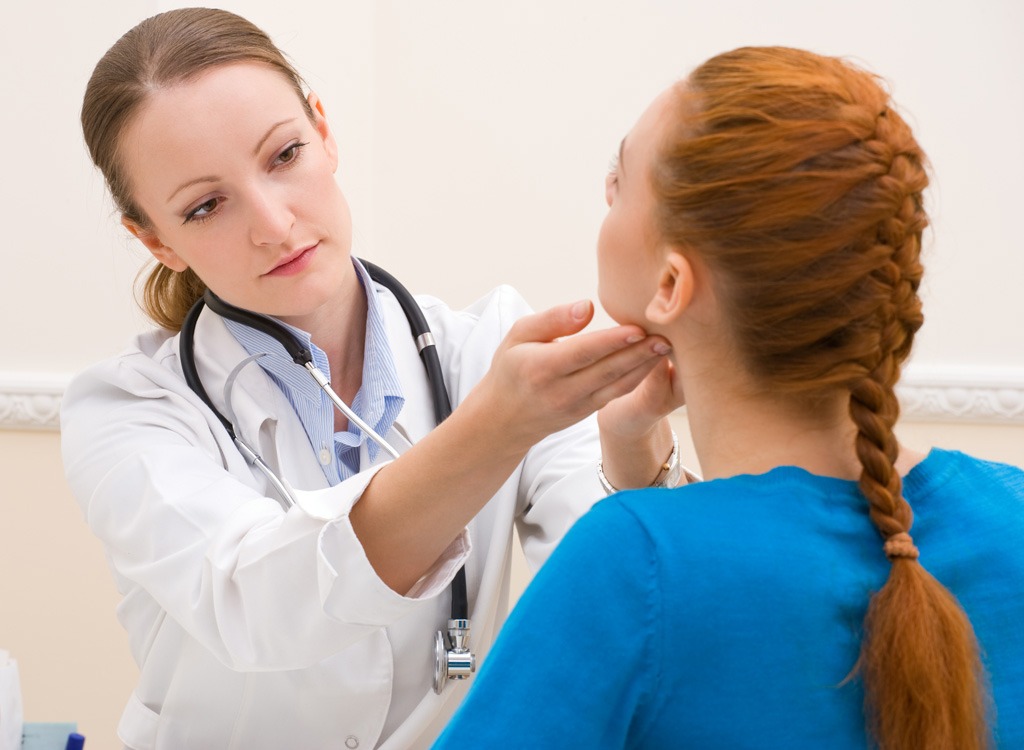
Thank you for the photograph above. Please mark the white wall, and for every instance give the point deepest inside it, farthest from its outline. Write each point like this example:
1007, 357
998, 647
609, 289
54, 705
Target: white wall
474, 141
475, 137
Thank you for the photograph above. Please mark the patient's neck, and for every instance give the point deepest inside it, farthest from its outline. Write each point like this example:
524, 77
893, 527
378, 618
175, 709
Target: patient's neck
738, 432
741, 425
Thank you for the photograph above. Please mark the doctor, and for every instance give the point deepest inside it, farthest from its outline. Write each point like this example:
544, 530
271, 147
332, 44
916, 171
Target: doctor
312, 627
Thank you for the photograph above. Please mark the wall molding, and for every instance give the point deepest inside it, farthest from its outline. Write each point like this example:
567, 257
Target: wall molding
986, 395
31, 401
962, 393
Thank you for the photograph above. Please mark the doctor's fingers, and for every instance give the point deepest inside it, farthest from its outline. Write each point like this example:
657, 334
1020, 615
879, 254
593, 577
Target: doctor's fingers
576, 377
607, 353
563, 376
539, 394
611, 380
551, 324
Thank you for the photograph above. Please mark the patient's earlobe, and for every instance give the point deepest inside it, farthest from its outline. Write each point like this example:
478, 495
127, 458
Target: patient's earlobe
160, 251
674, 291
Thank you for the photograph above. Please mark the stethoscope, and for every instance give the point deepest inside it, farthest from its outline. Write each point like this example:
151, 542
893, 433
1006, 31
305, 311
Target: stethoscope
453, 659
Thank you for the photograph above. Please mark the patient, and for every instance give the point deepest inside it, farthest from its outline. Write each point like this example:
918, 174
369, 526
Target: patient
824, 586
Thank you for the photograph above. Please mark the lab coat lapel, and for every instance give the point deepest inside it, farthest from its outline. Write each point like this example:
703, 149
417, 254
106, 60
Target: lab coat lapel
264, 418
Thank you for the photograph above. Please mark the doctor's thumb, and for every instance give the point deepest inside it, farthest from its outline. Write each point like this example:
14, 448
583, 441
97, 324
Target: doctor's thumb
554, 323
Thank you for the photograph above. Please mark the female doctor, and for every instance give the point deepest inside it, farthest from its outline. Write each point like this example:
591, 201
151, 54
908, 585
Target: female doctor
313, 627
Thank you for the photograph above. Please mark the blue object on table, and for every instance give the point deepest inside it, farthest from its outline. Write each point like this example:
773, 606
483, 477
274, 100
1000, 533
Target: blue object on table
75, 742
47, 735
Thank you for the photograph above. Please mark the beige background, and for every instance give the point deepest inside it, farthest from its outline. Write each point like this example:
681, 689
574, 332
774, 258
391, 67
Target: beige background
474, 140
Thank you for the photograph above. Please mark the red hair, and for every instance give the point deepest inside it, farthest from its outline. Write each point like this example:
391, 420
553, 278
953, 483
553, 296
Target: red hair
792, 177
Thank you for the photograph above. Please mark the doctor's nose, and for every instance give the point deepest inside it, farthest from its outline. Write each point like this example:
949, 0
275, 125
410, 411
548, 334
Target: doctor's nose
271, 220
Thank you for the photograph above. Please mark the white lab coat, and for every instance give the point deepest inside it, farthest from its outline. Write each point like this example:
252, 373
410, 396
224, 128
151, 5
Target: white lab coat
258, 628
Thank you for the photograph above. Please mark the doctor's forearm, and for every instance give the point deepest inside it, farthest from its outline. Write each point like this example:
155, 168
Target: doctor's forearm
542, 379
413, 509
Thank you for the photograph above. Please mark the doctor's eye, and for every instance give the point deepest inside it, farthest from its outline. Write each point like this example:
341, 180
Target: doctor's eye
203, 211
290, 154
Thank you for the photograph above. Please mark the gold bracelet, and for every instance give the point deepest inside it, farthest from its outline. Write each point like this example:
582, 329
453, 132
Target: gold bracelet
668, 475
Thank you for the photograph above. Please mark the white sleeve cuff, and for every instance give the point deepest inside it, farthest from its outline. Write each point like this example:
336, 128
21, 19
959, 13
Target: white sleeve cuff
440, 575
336, 501
350, 588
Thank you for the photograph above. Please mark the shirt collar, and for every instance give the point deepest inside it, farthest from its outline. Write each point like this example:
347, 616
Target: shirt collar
379, 399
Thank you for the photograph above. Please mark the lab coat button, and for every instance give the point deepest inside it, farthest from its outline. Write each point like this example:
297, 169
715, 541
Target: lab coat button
351, 742
325, 456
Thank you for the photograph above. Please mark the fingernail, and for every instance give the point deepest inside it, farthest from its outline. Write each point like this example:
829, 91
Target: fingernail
580, 309
660, 348
634, 338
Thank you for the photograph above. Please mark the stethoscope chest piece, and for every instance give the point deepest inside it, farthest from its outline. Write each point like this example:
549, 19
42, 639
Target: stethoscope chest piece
452, 658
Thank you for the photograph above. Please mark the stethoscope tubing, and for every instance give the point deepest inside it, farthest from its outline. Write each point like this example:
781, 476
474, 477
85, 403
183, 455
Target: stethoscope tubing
420, 330
301, 355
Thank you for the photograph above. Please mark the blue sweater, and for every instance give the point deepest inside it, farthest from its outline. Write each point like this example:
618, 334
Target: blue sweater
727, 614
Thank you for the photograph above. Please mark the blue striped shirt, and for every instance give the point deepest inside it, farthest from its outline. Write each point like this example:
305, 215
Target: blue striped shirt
378, 401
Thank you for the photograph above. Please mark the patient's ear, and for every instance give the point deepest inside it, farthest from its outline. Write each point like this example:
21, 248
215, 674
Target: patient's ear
160, 251
674, 291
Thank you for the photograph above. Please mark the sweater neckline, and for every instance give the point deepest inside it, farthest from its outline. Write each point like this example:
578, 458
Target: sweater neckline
934, 469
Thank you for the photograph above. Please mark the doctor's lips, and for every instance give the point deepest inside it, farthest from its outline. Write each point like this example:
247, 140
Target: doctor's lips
294, 262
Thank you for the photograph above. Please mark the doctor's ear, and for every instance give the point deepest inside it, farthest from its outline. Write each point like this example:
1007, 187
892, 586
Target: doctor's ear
160, 251
316, 105
674, 291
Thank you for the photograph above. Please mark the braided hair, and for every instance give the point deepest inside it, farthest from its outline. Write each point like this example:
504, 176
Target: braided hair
792, 177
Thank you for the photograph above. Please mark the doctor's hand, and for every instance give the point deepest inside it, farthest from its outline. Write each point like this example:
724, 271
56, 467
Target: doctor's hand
546, 375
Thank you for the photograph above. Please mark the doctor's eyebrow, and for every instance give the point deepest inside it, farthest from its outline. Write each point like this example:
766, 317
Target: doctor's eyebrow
255, 152
270, 131
190, 183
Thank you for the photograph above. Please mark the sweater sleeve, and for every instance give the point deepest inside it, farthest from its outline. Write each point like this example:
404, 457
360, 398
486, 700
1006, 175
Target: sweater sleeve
574, 665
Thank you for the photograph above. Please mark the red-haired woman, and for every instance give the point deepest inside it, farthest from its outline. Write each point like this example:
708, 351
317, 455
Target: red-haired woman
765, 216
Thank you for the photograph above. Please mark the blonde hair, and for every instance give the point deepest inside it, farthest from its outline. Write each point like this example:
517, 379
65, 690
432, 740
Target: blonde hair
791, 175
166, 49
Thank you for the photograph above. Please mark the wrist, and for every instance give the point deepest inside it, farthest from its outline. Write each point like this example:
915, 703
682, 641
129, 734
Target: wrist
630, 430
671, 472
635, 460
493, 424
671, 469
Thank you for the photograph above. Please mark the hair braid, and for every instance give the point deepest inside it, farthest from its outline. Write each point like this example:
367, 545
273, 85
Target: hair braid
874, 407
791, 177
922, 674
